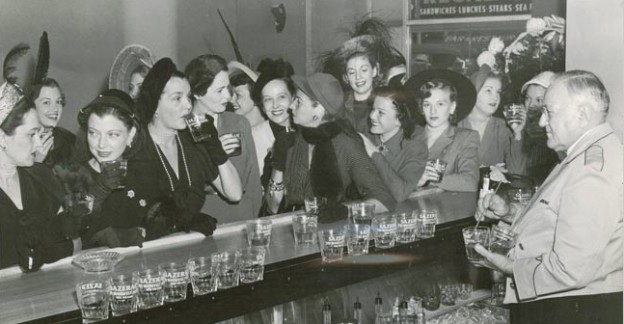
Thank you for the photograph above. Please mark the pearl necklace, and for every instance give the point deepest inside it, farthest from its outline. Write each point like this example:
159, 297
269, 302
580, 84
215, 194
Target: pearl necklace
162, 161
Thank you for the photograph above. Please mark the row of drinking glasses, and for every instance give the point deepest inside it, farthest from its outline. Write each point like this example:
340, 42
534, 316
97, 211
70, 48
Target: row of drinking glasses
501, 239
386, 231
168, 283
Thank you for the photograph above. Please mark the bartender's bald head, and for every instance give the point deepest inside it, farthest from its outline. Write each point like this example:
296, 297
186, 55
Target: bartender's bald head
575, 102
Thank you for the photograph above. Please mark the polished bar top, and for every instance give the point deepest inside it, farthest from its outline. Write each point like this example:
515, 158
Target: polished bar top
51, 290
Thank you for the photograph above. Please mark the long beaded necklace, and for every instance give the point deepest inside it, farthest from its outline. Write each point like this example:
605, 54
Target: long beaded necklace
162, 161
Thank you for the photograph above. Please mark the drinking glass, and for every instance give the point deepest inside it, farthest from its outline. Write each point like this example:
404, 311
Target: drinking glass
473, 236
120, 165
304, 229
252, 264
502, 239
227, 268
332, 242
239, 149
440, 166
202, 273
357, 237
512, 112
384, 231
123, 295
407, 227
197, 126
431, 297
93, 300
426, 223
313, 205
362, 213
259, 232
175, 281
149, 284
520, 195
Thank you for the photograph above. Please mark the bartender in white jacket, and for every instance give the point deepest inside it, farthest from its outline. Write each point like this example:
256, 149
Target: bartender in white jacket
567, 264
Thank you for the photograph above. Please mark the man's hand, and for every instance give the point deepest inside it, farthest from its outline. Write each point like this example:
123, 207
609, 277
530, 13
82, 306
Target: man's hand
491, 206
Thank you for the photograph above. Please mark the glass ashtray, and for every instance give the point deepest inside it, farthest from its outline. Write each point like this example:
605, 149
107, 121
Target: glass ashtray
97, 261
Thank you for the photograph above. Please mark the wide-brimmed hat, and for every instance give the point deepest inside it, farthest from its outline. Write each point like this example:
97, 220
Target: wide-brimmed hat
325, 89
238, 67
543, 79
466, 93
128, 59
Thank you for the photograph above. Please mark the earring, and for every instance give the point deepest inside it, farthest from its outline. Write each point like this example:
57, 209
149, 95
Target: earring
129, 145
156, 115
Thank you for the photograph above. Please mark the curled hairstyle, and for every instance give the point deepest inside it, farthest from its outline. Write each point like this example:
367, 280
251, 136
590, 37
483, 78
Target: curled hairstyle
436, 84
140, 69
404, 105
16, 117
270, 70
581, 83
47, 82
372, 59
202, 70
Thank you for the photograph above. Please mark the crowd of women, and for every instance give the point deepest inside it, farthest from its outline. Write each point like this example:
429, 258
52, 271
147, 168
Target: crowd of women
354, 131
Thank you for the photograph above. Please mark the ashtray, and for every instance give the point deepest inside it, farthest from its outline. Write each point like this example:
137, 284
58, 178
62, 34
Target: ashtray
97, 261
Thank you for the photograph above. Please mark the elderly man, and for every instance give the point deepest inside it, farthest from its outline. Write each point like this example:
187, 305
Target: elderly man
567, 264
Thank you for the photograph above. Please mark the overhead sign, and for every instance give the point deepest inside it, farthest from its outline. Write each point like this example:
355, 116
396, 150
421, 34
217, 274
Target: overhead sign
437, 9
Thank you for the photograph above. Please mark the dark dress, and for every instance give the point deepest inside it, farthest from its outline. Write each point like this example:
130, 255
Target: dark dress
42, 196
61, 151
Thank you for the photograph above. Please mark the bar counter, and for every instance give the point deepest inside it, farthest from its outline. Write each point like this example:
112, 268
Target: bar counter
48, 295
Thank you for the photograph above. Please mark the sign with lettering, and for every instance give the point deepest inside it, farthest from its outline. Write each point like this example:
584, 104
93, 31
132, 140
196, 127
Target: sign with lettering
437, 9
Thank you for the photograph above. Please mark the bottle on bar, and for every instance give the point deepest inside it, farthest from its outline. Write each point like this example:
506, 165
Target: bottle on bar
327, 312
357, 311
378, 307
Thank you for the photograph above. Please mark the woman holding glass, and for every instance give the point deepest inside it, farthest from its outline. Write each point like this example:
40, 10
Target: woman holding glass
171, 170
445, 96
209, 80
392, 145
33, 227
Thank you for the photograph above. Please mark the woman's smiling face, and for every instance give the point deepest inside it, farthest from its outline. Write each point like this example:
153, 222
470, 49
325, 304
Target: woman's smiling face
276, 99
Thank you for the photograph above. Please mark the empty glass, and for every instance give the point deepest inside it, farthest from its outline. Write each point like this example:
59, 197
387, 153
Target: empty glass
426, 223
357, 237
252, 264
362, 213
304, 229
520, 195
175, 281
203, 275
227, 268
93, 300
149, 284
332, 242
406, 231
384, 231
123, 295
313, 205
259, 232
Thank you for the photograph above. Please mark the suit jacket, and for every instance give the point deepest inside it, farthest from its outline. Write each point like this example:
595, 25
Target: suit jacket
247, 166
459, 147
570, 233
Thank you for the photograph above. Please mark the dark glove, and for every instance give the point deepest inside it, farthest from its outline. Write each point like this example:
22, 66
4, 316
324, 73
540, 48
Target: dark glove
106, 181
212, 143
30, 255
116, 237
71, 223
283, 142
331, 212
203, 223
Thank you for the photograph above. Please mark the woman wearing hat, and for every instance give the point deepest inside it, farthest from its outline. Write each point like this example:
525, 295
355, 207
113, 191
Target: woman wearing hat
444, 96
499, 148
109, 132
130, 68
57, 142
392, 145
327, 156
171, 170
209, 80
32, 226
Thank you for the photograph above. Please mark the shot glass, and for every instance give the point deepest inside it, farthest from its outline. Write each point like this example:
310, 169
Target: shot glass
520, 195
203, 275
431, 296
239, 149
384, 231
150, 288
123, 295
362, 213
502, 239
252, 264
357, 237
175, 281
406, 227
93, 300
196, 125
120, 166
259, 232
313, 205
512, 112
473, 236
227, 268
304, 229
426, 221
440, 166
332, 242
